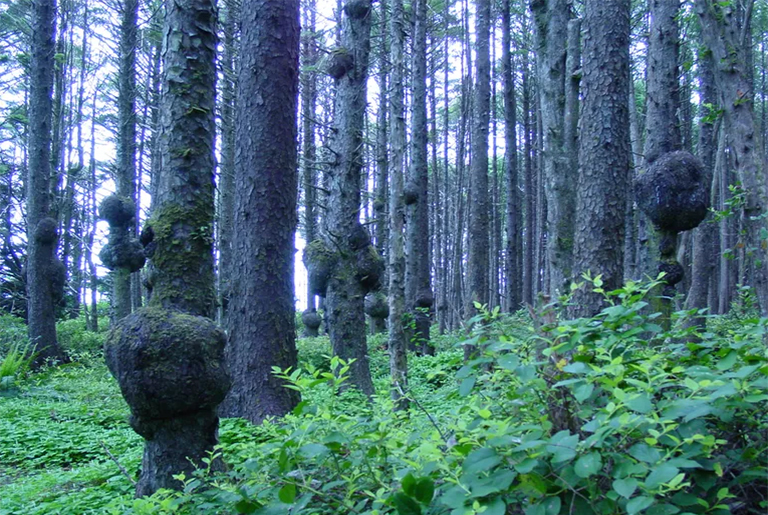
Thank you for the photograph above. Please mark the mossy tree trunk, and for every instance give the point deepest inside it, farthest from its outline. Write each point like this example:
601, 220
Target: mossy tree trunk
169, 357
261, 309
42, 236
342, 230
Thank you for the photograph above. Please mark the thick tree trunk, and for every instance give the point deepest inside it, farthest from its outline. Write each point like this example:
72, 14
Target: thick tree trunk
343, 234
261, 315
604, 150
173, 345
530, 191
45, 274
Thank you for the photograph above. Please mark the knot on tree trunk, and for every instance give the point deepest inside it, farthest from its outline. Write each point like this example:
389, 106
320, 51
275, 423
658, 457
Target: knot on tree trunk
340, 62
123, 250
311, 320
168, 365
357, 9
320, 262
369, 267
674, 192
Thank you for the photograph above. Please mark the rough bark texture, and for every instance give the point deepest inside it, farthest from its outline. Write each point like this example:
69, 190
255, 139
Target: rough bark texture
418, 283
42, 269
604, 150
381, 202
226, 204
309, 154
529, 267
725, 33
703, 247
398, 359
478, 221
126, 148
261, 314
513, 262
551, 17
168, 357
343, 233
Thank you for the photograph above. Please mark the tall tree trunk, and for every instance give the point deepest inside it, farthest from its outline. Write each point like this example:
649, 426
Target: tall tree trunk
173, 345
418, 283
551, 17
530, 192
478, 221
513, 250
382, 157
343, 235
261, 317
725, 31
398, 360
45, 274
604, 149
226, 202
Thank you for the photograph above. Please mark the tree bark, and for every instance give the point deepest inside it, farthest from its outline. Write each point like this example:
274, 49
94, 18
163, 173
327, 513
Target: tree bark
604, 149
261, 317
42, 265
343, 233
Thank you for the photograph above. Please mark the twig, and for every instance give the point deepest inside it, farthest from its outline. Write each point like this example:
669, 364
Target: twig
122, 469
429, 416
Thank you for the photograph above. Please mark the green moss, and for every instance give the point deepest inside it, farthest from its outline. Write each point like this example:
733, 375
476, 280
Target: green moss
184, 256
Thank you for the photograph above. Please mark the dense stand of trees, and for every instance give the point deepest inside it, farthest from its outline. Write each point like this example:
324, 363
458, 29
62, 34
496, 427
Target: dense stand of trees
445, 154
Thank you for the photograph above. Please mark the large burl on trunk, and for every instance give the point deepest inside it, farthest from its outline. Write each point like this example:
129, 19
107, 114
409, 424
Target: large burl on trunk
170, 367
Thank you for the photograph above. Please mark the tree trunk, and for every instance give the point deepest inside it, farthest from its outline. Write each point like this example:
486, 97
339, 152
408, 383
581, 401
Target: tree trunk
478, 221
418, 284
344, 236
604, 150
551, 17
45, 274
725, 33
173, 345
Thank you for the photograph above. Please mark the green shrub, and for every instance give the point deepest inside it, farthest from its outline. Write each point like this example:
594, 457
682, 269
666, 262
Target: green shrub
13, 331
75, 339
15, 364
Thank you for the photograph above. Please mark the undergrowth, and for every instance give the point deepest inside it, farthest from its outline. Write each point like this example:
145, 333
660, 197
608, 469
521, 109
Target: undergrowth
605, 415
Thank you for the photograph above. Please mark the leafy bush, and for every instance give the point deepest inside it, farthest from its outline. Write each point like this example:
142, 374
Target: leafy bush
13, 331
75, 339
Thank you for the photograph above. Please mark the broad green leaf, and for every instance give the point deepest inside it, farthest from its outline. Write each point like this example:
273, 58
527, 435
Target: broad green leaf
660, 475
583, 392
287, 493
313, 450
625, 487
526, 372
406, 505
728, 361
495, 507
466, 386
424, 490
247, 506
481, 460
645, 453
552, 505
638, 504
408, 484
588, 465
527, 465
641, 403
563, 446
663, 509
509, 362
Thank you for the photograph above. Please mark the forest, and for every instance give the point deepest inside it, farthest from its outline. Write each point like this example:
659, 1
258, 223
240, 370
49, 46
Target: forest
372, 257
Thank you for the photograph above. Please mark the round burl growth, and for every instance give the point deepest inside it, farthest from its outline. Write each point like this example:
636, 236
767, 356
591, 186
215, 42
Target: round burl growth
117, 211
58, 278
123, 250
370, 267
376, 305
357, 9
410, 194
319, 260
674, 192
47, 231
341, 62
311, 320
673, 272
167, 364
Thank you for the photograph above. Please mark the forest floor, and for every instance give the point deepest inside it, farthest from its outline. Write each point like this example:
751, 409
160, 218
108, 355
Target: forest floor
635, 420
